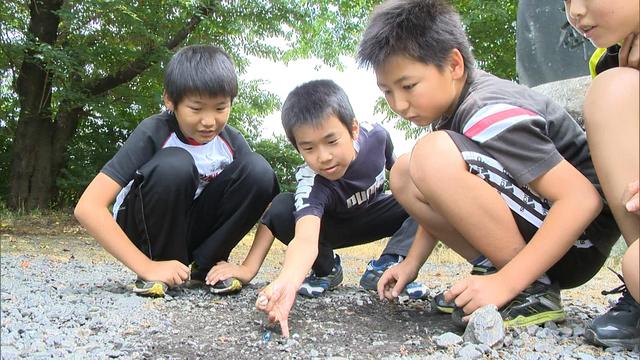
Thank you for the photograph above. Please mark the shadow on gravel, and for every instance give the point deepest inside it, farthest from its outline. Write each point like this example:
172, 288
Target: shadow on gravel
348, 322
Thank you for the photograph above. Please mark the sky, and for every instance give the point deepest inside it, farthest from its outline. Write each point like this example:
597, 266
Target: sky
359, 84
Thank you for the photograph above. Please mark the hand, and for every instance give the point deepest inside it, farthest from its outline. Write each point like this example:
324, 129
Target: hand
474, 292
170, 272
629, 54
394, 279
631, 198
276, 300
224, 270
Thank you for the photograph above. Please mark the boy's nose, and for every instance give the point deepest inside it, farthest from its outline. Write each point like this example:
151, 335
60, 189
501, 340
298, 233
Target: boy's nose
400, 105
209, 121
575, 9
324, 156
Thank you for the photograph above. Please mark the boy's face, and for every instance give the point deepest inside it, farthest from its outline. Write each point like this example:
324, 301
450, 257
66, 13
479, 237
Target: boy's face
604, 22
201, 118
419, 92
328, 147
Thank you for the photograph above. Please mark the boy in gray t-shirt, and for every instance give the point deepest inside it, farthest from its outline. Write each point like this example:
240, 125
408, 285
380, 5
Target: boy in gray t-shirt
505, 180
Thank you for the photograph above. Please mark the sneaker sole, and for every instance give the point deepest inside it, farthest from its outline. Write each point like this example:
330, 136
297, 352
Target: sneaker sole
628, 344
156, 290
235, 287
541, 318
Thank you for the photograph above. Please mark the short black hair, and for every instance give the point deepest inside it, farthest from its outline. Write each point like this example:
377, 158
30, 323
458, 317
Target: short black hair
313, 102
425, 30
200, 69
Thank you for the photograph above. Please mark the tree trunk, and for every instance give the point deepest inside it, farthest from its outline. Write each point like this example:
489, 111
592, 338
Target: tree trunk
42, 138
31, 178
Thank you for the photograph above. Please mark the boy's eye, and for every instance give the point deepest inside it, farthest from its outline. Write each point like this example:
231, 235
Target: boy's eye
408, 87
195, 108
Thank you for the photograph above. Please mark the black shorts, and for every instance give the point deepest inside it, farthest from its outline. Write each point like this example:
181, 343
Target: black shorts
584, 259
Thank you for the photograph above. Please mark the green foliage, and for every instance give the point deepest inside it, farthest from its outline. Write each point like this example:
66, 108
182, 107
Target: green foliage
133, 39
283, 159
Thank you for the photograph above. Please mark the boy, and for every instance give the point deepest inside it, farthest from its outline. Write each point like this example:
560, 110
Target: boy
339, 200
186, 186
613, 141
505, 180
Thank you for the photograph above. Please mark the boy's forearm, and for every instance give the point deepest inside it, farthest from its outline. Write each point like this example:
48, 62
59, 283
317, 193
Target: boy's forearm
100, 224
299, 259
564, 223
259, 249
421, 248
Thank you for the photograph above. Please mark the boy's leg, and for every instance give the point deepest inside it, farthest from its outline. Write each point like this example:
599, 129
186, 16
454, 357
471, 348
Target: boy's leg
525, 211
228, 207
611, 112
612, 120
478, 213
154, 214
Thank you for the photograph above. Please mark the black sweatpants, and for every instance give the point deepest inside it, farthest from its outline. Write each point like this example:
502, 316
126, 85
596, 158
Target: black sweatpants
162, 218
383, 218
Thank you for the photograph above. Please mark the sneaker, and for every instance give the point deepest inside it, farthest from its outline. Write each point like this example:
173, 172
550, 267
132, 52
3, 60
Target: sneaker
222, 287
440, 305
227, 286
196, 274
537, 304
314, 286
369, 280
620, 326
149, 288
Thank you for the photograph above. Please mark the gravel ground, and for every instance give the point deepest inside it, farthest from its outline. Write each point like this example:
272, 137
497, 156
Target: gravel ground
62, 297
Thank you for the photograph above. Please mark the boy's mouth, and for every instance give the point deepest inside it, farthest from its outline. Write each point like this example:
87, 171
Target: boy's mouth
586, 30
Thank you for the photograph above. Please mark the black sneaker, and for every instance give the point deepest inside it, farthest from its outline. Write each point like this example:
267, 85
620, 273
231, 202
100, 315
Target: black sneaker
314, 286
222, 287
440, 305
196, 274
537, 304
620, 326
369, 280
150, 288
227, 286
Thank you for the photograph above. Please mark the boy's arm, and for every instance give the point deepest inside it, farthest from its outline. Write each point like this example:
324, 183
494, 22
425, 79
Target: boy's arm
393, 281
247, 271
93, 213
575, 203
276, 300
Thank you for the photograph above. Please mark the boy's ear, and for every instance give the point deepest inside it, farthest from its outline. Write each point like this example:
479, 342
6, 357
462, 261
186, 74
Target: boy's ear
456, 64
355, 129
167, 102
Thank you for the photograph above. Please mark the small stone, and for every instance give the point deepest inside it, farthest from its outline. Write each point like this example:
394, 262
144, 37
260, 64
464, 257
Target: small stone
485, 327
447, 339
565, 331
470, 352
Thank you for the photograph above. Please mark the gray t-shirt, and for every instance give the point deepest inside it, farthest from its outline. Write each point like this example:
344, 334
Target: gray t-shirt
524, 130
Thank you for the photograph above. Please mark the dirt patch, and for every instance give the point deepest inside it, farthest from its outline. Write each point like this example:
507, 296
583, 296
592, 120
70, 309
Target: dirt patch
348, 322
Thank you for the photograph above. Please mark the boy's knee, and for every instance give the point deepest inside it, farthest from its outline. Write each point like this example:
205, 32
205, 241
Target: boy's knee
433, 157
174, 165
399, 174
613, 89
258, 172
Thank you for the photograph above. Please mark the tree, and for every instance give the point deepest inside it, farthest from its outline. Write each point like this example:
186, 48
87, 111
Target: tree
83, 73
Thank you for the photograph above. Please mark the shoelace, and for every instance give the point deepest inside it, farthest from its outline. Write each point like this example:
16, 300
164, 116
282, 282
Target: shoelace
626, 302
